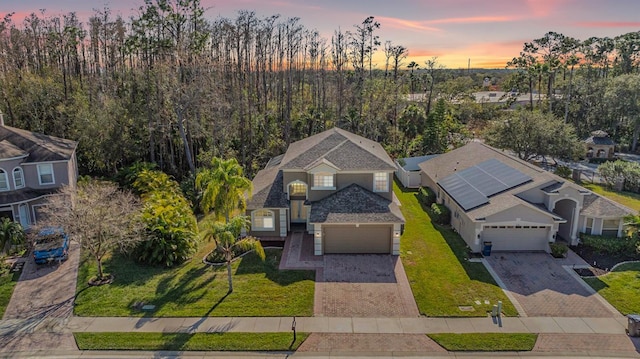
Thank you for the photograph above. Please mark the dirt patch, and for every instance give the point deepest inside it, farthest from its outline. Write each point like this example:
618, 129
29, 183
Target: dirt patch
590, 272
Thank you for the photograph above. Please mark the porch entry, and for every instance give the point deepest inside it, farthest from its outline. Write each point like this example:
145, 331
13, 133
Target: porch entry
298, 211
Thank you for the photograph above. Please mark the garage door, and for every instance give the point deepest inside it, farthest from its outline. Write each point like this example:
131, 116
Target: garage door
352, 239
516, 239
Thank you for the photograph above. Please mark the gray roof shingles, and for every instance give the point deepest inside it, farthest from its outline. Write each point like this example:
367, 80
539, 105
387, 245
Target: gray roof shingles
597, 206
354, 204
40, 147
268, 190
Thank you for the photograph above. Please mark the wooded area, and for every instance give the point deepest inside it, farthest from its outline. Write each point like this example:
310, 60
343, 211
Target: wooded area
171, 87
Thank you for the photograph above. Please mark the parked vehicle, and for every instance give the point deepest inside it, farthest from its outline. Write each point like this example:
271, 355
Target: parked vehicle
51, 244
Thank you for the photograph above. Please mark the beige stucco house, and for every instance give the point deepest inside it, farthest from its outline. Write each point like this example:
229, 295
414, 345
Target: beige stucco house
32, 167
513, 204
335, 185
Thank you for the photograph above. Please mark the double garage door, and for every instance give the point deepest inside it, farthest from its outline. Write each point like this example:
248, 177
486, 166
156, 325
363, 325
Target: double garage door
361, 239
513, 238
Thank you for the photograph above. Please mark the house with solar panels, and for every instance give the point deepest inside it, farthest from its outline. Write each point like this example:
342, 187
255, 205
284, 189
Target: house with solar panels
495, 197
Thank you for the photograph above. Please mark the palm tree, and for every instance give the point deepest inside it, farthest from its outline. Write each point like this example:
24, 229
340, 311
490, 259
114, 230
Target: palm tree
223, 187
10, 233
227, 238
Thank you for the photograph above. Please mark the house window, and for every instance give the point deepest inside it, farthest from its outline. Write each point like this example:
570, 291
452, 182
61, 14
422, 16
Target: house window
380, 182
610, 227
589, 226
297, 189
323, 180
18, 177
45, 173
4, 181
263, 220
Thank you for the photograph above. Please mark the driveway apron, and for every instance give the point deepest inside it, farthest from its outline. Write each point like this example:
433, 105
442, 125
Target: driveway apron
543, 288
365, 285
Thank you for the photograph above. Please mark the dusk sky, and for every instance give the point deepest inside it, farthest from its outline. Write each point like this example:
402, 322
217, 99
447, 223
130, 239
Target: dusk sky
488, 32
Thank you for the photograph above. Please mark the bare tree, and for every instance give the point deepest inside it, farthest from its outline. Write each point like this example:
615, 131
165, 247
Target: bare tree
98, 215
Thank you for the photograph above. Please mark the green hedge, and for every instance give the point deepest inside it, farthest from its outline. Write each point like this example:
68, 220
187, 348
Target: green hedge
440, 214
611, 245
426, 196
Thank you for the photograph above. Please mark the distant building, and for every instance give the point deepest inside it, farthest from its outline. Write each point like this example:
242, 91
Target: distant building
599, 145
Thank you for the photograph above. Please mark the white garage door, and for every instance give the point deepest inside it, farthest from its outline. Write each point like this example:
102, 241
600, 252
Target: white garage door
529, 238
352, 239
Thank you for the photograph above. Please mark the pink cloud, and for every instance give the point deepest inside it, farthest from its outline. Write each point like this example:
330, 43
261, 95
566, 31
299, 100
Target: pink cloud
473, 20
397, 23
608, 24
544, 8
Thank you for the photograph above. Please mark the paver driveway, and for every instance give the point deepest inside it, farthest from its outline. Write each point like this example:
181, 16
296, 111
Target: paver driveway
543, 288
365, 285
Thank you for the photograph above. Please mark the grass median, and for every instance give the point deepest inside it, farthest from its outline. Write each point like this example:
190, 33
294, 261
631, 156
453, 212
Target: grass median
190, 342
485, 342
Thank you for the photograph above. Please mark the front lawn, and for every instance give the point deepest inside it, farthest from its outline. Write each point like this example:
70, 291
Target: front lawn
184, 341
486, 342
441, 277
194, 289
629, 199
8, 281
620, 287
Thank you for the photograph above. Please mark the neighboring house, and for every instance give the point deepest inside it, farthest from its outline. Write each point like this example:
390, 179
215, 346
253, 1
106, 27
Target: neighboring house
514, 204
408, 171
334, 185
32, 166
600, 145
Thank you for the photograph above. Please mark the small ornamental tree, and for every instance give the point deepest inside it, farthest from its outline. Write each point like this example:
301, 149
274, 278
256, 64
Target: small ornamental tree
227, 239
11, 233
223, 187
98, 215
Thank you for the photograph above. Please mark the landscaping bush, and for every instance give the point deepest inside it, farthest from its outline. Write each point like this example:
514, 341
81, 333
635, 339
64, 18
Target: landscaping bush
440, 214
612, 246
426, 196
558, 250
563, 171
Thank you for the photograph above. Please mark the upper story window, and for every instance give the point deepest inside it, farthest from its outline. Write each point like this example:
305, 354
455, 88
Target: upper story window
263, 220
323, 181
381, 182
18, 177
45, 174
297, 189
4, 181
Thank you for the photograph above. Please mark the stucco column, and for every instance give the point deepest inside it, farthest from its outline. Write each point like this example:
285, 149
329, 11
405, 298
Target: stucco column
395, 249
620, 227
317, 239
574, 224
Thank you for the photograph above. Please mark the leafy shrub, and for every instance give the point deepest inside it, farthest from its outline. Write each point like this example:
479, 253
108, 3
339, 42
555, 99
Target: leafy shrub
563, 171
612, 246
426, 196
440, 214
558, 250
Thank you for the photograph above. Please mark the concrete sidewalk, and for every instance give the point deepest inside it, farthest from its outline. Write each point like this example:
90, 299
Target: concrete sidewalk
321, 325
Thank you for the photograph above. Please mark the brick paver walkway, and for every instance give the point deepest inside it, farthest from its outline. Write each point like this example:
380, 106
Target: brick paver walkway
543, 288
585, 343
363, 286
362, 343
298, 253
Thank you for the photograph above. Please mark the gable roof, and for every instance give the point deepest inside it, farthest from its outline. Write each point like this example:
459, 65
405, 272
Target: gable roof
354, 204
474, 153
39, 147
345, 150
268, 190
411, 163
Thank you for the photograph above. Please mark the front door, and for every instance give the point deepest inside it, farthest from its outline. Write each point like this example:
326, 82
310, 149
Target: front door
298, 211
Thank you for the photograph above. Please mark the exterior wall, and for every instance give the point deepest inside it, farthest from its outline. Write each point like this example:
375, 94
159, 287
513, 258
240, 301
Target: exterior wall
72, 170
288, 177
277, 224
536, 195
342, 180
8, 167
426, 181
522, 213
61, 175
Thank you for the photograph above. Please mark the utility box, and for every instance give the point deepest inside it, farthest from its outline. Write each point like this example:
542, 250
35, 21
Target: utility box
486, 248
634, 325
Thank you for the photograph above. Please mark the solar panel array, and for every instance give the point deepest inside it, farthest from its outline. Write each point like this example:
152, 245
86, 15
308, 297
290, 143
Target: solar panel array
473, 186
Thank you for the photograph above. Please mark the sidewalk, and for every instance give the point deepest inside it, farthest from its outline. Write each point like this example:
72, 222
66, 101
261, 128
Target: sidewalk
321, 325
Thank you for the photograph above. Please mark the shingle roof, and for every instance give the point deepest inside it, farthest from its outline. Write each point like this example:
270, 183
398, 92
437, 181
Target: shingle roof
24, 194
597, 206
354, 204
41, 148
602, 141
411, 163
268, 190
9, 150
347, 151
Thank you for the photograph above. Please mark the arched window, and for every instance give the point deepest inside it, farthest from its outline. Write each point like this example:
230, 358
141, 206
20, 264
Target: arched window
262, 220
18, 177
297, 189
4, 181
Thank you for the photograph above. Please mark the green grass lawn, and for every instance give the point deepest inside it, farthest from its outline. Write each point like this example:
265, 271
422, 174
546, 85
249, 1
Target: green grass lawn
491, 342
629, 199
183, 341
8, 281
621, 287
441, 278
194, 289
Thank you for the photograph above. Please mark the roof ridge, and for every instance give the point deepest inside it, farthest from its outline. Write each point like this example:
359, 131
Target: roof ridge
513, 158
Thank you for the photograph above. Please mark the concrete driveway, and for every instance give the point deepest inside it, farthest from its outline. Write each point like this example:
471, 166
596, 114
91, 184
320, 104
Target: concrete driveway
543, 288
365, 285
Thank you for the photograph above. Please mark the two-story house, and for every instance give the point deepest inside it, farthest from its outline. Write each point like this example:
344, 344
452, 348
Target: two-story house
32, 167
337, 186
